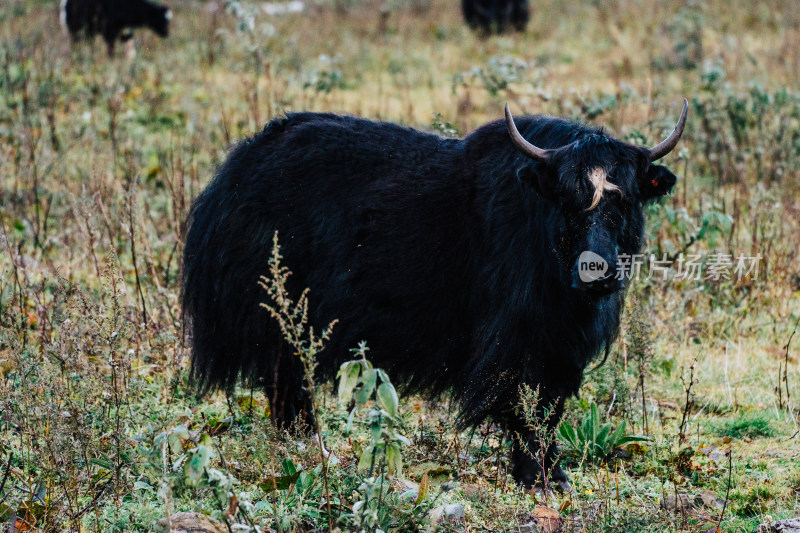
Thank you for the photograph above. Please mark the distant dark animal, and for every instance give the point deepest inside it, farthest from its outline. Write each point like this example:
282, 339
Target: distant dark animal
113, 19
460, 261
490, 16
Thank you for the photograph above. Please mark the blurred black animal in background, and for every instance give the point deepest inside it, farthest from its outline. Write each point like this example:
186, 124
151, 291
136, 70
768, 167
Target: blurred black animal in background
460, 261
113, 19
496, 16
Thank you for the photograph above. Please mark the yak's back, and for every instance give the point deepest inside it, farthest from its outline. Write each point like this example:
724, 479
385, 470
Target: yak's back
347, 143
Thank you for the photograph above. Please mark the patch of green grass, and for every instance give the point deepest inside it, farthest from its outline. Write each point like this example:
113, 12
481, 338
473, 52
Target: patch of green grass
752, 502
746, 426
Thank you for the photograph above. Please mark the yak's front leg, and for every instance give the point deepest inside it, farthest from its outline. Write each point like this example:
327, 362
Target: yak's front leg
529, 465
534, 453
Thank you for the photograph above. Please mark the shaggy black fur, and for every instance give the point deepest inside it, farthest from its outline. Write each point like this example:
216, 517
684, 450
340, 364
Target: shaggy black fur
454, 259
112, 19
491, 16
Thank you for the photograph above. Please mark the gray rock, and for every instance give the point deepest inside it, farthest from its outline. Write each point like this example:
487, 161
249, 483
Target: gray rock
530, 527
190, 523
791, 525
410, 495
681, 503
447, 486
452, 513
717, 456
709, 500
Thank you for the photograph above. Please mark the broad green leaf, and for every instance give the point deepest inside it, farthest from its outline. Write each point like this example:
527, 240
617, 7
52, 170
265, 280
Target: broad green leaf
627, 439
348, 429
394, 460
369, 378
348, 379
588, 427
176, 436
304, 482
103, 462
142, 485
279, 482
387, 397
601, 441
567, 433
618, 434
195, 467
288, 467
365, 460
362, 396
375, 430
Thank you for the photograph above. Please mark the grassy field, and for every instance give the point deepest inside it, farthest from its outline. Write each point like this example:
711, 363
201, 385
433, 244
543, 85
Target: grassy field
100, 429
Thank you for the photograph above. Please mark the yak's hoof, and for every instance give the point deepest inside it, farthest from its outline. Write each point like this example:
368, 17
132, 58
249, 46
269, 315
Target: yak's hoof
563, 486
530, 476
559, 479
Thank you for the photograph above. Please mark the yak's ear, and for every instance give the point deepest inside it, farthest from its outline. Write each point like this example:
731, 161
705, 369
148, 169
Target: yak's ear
658, 181
540, 176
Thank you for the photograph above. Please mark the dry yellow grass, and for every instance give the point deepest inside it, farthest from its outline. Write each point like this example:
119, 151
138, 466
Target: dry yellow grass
100, 158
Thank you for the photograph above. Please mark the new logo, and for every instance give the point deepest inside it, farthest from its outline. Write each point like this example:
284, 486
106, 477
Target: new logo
591, 267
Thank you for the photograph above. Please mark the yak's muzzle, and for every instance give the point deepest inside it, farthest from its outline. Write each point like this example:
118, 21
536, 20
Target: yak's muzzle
595, 274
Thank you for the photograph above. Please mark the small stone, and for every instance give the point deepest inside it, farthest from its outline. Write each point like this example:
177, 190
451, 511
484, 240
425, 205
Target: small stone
709, 500
404, 484
549, 520
791, 525
447, 486
410, 495
530, 527
452, 513
681, 503
466, 457
190, 523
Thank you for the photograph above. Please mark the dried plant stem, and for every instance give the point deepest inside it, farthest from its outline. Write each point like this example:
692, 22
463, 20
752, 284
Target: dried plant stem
292, 318
6, 474
728, 490
786, 363
132, 234
688, 402
322, 454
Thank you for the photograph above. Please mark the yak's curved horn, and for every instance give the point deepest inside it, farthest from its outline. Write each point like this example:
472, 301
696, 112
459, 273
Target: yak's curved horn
666, 146
534, 152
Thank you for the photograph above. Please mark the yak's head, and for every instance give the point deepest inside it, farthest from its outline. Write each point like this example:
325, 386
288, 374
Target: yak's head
599, 186
160, 18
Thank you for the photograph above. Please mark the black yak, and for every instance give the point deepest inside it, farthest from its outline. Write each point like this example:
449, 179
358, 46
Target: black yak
457, 260
113, 19
491, 16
